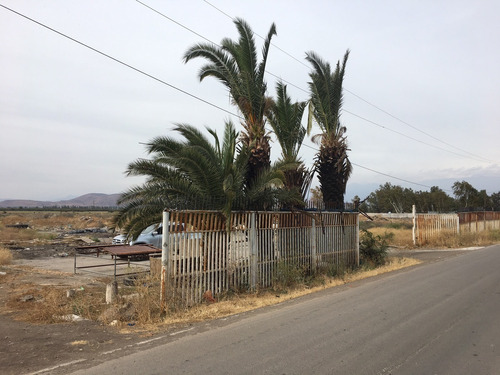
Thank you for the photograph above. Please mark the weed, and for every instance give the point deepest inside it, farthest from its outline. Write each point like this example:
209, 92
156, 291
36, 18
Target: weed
449, 239
290, 274
5, 256
373, 248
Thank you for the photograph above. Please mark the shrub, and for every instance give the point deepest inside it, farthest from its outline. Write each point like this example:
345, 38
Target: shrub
373, 248
5, 256
290, 274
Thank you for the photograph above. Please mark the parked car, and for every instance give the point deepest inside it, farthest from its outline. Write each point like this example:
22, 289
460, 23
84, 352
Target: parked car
152, 235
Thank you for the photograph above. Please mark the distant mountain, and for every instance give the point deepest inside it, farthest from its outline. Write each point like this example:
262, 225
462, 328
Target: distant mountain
87, 200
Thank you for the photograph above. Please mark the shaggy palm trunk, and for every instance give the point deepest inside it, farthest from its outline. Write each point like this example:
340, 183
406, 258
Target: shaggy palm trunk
331, 174
259, 160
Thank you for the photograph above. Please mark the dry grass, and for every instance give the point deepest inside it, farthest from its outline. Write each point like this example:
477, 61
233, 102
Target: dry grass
49, 304
451, 240
398, 237
5, 256
42, 220
46, 226
240, 303
401, 235
140, 304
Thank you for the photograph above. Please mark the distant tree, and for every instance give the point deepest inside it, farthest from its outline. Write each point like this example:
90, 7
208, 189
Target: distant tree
483, 200
316, 194
391, 198
495, 201
466, 195
435, 200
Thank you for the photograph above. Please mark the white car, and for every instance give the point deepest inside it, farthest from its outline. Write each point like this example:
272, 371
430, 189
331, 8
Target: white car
152, 235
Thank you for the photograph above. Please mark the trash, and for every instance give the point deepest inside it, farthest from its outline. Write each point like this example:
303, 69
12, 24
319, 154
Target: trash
131, 324
63, 255
3, 273
114, 323
27, 298
70, 293
207, 296
72, 318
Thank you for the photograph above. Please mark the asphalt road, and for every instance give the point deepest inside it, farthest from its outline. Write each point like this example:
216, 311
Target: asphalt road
438, 318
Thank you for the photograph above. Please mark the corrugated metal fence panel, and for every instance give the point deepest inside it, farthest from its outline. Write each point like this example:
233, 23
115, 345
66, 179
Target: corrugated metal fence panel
479, 221
429, 225
206, 254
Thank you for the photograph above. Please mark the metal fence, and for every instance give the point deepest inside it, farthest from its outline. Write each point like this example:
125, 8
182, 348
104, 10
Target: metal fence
204, 252
430, 225
479, 221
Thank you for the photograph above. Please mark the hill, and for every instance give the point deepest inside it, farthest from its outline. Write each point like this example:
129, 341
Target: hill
87, 200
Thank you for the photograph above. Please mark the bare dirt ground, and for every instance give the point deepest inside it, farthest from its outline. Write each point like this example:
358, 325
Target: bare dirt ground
27, 348
46, 259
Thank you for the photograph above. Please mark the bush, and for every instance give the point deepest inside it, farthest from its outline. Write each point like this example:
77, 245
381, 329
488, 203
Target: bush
5, 256
373, 248
290, 274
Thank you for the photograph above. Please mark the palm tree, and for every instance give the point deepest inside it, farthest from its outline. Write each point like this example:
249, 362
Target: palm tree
195, 174
285, 119
234, 63
332, 164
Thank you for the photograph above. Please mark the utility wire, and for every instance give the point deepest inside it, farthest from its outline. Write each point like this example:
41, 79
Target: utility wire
121, 62
410, 137
382, 173
170, 85
476, 157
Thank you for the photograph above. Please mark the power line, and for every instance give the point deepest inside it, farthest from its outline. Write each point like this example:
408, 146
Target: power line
120, 62
409, 137
168, 84
382, 173
415, 128
476, 157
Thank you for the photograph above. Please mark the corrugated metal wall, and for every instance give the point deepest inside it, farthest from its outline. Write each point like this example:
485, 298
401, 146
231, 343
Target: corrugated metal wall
430, 225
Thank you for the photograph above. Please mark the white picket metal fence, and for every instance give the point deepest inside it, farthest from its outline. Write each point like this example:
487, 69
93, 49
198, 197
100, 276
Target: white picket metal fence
202, 252
430, 225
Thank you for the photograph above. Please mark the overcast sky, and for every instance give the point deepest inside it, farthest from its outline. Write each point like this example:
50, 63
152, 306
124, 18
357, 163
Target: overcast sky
422, 99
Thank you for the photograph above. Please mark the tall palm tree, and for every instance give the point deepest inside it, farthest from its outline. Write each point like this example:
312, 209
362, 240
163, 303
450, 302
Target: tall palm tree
285, 119
196, 174
332, 163
234, 63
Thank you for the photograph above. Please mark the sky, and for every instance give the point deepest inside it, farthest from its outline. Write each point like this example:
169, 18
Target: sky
421, 100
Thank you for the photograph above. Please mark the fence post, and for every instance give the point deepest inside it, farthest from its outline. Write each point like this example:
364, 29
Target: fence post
414, 232
165, 269
357, 240
314, 259
253, 251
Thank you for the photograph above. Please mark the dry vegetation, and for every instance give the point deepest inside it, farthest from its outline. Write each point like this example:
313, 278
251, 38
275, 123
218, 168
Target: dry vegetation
5, 256
140, 305
30, 229
53, 220
399, 235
